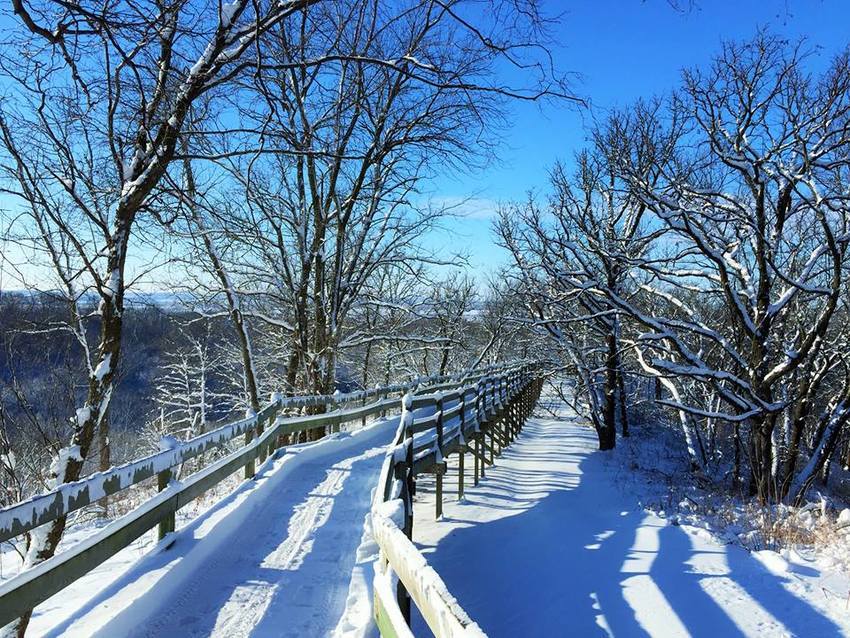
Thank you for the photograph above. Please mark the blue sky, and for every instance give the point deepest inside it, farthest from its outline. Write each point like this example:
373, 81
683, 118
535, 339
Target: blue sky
622, 49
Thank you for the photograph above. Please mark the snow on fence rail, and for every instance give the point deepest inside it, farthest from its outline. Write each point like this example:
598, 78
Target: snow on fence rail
262, 432
494, 407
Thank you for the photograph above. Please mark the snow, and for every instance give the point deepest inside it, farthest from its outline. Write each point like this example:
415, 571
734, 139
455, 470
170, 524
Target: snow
39, 506
10, 461
32, 571
60, 462
555, 539
445, 610
83, 415
38, 536
168, 442
76, 595
356, 619
285, 552
392, 510
111, 288
772, 561
103, 367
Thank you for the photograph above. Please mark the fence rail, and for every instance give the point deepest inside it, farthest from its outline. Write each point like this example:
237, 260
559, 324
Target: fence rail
261, 432
494, 407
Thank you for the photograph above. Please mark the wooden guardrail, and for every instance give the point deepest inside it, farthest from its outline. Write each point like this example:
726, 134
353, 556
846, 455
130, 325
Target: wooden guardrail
480, 418
262, 431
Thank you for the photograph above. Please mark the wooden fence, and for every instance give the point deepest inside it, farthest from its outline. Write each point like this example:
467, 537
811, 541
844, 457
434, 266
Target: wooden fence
261, 434
480, 418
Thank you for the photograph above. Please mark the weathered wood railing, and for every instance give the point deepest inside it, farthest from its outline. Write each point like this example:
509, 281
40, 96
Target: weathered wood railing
493, 407
262, 433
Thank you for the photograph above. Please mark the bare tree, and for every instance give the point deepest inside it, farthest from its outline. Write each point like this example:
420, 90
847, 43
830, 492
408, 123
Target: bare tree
328, 191
754, 208
103, 94
589, 238
452, 300
387, 326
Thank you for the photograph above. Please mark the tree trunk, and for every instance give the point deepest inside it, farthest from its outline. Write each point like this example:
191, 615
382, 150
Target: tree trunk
792, 454
761, 460
821, 454
608, 432
621, 398
366, 357
292, 367
823, 477
95, 409
607, 438
444, 361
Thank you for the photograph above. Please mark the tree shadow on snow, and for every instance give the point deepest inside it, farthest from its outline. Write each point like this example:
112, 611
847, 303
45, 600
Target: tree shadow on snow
571, 556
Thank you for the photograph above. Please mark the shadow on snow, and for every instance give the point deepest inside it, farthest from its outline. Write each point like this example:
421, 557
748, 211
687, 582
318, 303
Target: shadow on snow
564, 561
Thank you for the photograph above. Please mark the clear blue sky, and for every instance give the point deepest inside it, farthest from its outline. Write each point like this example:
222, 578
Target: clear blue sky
623, 49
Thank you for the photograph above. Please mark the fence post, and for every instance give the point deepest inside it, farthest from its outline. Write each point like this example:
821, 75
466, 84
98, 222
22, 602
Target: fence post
462, 443
509, 409
166, 525
511, 406
492, 422
524, 399
439, 504
500, 422
479, 466
265, 450
260, 430
334, 405
402, 596
249, 436
517, 405
486, 400
382, 397
483, 428
526, 381
504, 393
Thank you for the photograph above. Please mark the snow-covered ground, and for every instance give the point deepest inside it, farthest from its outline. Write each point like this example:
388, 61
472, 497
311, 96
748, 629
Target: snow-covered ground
280, 556
555, 542
653, 467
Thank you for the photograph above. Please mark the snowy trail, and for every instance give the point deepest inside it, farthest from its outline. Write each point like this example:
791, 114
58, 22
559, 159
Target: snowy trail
275, 558
550, 544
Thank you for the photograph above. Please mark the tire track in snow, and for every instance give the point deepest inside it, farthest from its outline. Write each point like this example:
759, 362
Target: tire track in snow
245, 615
273, 582
275, 558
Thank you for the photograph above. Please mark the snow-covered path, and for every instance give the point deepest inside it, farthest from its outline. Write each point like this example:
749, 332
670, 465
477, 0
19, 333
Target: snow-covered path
549, 545
275, 558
